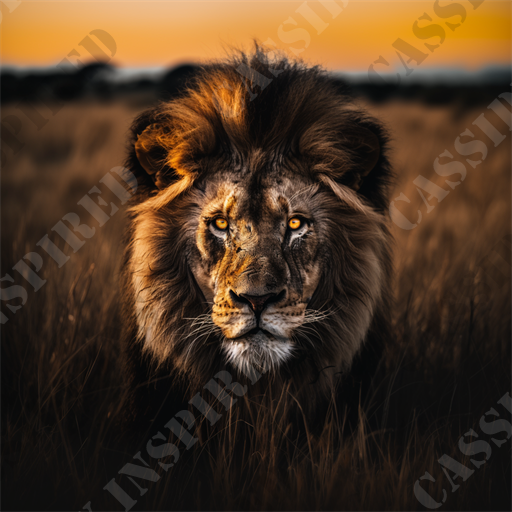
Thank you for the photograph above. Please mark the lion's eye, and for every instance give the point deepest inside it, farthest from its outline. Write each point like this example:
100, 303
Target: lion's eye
294, 223
221, 223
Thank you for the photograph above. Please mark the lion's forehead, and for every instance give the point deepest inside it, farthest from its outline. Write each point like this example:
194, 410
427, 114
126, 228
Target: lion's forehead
254, 199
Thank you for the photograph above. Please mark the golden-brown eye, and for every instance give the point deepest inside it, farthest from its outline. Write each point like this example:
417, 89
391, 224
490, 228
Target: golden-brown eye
221, 223
294, 223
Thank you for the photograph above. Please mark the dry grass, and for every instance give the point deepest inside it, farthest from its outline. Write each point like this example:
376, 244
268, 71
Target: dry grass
448, 364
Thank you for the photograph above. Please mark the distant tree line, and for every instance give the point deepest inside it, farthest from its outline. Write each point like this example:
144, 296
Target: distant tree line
99, 81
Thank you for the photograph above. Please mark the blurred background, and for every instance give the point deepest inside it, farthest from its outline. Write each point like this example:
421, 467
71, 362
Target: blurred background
462, 43
73, 76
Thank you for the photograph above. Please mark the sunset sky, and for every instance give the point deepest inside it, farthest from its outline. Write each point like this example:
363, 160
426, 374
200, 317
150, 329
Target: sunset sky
164, 33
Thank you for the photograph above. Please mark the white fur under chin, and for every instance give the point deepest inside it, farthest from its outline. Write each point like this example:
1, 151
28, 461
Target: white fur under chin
257, 351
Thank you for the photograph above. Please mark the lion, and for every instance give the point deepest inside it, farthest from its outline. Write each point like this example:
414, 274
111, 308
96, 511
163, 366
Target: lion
258, 236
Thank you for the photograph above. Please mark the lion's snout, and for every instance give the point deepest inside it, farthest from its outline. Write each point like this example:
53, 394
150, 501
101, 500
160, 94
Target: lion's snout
275, 313
256, 301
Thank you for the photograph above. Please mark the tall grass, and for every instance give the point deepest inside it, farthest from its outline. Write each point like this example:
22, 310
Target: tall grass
449, 362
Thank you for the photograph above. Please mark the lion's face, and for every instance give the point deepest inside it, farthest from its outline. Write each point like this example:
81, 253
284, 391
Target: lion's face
260, 263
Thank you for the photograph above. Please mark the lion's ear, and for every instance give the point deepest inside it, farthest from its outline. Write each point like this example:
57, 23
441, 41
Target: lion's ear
367, 172
365, 149
349, 147
146, 149
151, 152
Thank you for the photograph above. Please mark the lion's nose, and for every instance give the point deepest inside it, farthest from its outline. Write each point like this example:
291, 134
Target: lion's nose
258, 302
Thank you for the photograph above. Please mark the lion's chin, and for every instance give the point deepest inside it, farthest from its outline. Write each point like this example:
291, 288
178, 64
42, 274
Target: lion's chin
257, 350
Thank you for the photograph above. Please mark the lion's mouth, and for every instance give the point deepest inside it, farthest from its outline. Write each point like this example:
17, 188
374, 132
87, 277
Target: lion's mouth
256, 331
258, 349
257, 334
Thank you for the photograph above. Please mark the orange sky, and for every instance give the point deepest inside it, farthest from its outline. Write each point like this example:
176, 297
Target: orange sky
163, 33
